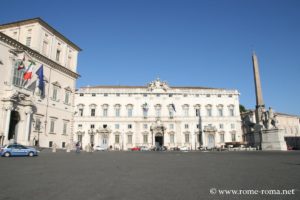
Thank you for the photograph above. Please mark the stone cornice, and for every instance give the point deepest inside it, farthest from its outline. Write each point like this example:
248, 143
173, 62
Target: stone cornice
143, 90
43, 23
15, 44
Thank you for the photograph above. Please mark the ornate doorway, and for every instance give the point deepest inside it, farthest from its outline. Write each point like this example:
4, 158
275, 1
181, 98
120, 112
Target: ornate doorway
158, 132
211, 141
14, 120
104, 140
159, 140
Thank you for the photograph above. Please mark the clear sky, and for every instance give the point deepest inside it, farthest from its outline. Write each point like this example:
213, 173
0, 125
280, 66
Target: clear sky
186, 43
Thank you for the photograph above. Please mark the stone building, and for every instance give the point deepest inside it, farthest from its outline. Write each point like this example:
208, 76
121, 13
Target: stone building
157, 114
36, 111
290, 124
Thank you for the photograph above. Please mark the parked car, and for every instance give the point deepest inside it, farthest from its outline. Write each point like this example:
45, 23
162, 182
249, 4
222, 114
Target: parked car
144, 148
100, 148
289, 148
159, 148
135, 148
184, 148
18, 150
175, 149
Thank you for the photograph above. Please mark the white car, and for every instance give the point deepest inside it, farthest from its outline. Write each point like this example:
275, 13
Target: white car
144, 148
100, 148
184, 148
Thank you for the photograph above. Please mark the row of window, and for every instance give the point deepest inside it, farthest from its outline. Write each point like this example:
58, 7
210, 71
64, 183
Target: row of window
157, 95
146, 126
291, 130
58, 53
45, 46
53, 126
158, 109
146, 138
63, 144
19, 81
56, 93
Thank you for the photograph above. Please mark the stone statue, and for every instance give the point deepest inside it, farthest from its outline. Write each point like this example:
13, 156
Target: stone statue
158, 84
265, 119
248, 121
269, 118
274, 122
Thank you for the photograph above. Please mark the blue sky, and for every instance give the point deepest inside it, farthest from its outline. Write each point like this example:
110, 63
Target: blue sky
186, 43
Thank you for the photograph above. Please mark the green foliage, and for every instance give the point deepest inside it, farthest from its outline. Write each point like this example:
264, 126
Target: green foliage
242, 108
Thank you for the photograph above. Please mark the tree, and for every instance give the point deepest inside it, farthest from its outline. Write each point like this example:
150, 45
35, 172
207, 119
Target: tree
242, 109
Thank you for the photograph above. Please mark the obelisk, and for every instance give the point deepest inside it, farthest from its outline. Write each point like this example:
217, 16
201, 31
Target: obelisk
269, 138
260, 106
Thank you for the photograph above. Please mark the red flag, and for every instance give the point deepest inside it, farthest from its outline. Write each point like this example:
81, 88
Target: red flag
28, 72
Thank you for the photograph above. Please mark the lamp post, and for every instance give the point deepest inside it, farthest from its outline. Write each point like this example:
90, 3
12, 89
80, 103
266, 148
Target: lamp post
37, 127
200, 128
123, 139
92, 133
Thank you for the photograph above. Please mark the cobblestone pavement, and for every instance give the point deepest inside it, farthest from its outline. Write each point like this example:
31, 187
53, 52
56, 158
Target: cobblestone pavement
149, 175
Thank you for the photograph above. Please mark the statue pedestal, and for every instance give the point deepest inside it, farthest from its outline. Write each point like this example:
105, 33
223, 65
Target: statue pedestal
273, 139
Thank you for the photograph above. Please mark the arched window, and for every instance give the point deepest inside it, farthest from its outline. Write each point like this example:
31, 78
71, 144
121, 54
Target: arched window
231, 110
105, 110
117, 110
208, 110
220, 110
93, 110
197, 108
129, 110
145, 108
55, 91
157, 110
80, 108
185, 109
171, 108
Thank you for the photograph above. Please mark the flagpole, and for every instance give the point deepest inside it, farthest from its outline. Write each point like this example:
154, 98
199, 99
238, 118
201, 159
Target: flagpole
48, 96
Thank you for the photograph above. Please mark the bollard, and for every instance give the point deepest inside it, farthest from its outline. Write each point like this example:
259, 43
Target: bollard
68, 148
54, 148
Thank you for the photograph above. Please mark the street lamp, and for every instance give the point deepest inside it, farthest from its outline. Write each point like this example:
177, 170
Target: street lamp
92, 133
122, 134
200, 128
37, 126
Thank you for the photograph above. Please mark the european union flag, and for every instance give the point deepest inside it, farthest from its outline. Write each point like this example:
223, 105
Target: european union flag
40, 74
173, 106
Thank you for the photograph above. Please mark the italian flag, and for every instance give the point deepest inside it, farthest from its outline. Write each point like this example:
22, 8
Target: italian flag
21, 63
28, 72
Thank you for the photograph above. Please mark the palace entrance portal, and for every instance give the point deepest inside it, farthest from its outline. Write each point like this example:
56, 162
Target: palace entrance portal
157, 130
14, 119
159, 140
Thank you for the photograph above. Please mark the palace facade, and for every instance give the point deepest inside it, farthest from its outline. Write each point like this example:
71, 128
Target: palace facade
38, 110
122, 117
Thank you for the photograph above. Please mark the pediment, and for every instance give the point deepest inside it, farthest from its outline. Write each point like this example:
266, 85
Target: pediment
56, 83
68, 89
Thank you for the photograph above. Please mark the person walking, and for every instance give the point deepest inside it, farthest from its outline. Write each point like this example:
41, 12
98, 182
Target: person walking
77, 147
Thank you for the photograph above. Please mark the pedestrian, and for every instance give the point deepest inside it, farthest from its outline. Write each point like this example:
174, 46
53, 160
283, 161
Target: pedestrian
91, 149
77, 147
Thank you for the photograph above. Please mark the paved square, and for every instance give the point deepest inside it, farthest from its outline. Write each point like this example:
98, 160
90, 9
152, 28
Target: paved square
148, 175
